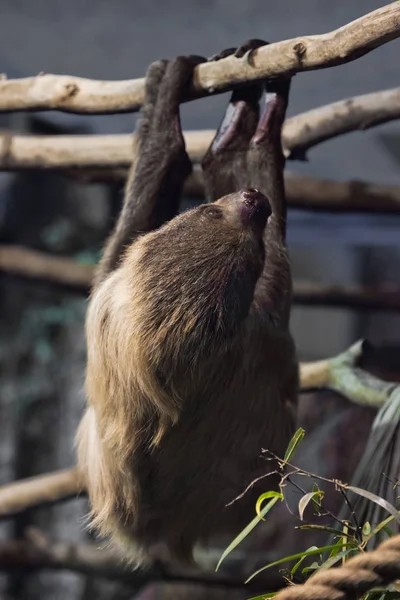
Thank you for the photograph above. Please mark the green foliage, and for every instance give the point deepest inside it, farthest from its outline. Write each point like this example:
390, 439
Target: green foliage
350, 538
275, 496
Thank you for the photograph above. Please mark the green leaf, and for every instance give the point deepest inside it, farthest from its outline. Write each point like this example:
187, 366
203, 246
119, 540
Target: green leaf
294, 442
334, 559
379, 527
297, 565
267, 496
316, 504
366, 530
264, 596
306, 499
313, 567
377, 499
292, 557
245, 532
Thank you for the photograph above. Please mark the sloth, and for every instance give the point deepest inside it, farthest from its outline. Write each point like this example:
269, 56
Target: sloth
191, 367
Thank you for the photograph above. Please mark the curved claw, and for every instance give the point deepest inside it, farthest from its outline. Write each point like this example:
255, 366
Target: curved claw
245, 50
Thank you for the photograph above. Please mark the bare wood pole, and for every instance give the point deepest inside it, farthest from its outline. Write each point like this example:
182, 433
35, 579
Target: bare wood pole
300, 133
74, 94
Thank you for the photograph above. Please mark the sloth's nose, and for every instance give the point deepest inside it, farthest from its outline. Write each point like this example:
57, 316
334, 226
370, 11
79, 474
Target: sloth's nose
255, 207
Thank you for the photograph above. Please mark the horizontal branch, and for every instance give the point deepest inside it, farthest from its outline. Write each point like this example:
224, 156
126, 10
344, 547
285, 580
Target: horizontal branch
39, 265
300, 133
313, 194
384, 297
75, 94
32, 264
302, 192
36, 551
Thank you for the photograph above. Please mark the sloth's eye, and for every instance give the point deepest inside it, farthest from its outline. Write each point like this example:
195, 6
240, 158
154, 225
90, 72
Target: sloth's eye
212, 212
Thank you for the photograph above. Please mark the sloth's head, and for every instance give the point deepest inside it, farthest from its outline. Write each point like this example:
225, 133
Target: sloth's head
194, 278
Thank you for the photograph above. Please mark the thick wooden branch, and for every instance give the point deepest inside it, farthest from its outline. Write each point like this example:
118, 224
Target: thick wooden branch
74, 94
36, 265
116, 151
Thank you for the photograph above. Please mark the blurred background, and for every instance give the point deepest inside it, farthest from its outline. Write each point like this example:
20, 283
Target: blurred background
42, 350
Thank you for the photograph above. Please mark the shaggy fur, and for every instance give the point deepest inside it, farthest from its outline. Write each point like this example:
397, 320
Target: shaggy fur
191, 369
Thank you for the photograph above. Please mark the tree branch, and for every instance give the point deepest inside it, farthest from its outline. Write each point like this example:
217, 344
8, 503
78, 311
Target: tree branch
320, 124
314, 194
36, 551
302, 192
74, 94
116, 151
35, 491
39, 265
68, 273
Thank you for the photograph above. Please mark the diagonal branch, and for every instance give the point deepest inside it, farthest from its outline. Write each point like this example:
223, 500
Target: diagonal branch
74, 94
326, 122
37, 491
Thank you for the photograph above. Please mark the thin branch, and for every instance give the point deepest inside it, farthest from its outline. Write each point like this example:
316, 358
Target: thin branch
341, 196
385, 297
34, 491
36, 551
74, 94
20, 261
302, 192
116, 151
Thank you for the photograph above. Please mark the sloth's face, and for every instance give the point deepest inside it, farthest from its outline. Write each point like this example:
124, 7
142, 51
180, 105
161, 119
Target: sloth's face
195, 277
245, 211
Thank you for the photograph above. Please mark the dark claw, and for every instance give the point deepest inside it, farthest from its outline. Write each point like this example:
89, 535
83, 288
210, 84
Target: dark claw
249, 46
221, 55
195, 59
279, 86
239, 52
